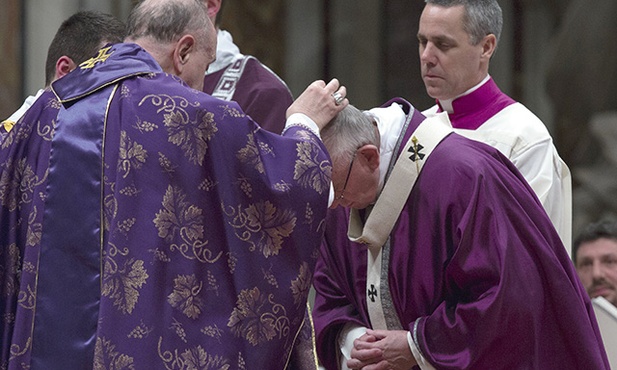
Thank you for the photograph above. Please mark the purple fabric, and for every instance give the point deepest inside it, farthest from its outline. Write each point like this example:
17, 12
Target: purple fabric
260, 93
472, 110
211, 230
476, 259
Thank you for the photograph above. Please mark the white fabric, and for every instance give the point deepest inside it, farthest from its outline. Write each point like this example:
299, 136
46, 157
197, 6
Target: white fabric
24, 107
606, 315
415, 351
517, 133
348, 334
226, 51
390, 121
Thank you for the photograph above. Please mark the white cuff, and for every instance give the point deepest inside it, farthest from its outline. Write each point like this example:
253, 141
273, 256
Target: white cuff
415, 351
301, 119
346, 337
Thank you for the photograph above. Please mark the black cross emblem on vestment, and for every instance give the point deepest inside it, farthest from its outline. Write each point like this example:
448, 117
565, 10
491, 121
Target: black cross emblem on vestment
416, 149
372, 293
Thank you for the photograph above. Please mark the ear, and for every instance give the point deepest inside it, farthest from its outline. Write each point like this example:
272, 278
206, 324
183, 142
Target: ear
182, 52
213, 8
489, 43
64, 65
370, 155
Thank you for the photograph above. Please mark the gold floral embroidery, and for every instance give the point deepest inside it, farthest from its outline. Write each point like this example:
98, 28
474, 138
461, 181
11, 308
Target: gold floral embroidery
213, 286
263, 226
191, 359
46, 132
124, 227
269, 277
207, 185
132, 155
257, 318
107, 358
125, 92
250, 154
185, 296
301, 285
166, 164
309, 215
35, 230
27, 299
144, 126
141, 331
191, 136
123, 284
231, 112
179, 329
245, 186
9, 273
17, 184
309, 170
213, 332
180, 220
282, 186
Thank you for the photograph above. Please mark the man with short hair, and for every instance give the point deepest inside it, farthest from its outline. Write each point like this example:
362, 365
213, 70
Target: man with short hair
457, 39
595, 257
443, 257
261, 93
148, 225
78, 38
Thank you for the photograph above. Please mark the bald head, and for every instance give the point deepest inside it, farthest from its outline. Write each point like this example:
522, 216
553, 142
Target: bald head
178, 34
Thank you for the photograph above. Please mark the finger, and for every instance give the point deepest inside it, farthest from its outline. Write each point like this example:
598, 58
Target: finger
367, 355
319, 83
379, 334
332, 86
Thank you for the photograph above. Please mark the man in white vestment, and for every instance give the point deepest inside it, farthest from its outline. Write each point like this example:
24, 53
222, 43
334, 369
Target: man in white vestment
457, 39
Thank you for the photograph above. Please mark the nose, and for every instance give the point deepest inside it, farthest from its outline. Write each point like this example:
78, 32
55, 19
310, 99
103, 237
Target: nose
427, 54
597, 271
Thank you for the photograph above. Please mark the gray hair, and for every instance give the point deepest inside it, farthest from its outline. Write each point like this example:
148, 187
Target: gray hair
167, 20
482, 17
348, 131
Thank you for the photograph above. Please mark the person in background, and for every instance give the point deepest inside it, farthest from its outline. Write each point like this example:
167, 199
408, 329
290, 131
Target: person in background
148, 225
437, 254
457, 39
242, 78
78, 38
595, 256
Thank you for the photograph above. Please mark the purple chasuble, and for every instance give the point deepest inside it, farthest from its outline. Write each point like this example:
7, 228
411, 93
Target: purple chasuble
178, 234
472, 110
261, 94
476, 262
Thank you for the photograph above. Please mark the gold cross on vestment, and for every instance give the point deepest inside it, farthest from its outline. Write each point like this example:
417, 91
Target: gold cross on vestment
101, 57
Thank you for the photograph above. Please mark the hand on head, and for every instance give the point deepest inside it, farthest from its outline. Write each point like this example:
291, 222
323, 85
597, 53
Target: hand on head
319, 102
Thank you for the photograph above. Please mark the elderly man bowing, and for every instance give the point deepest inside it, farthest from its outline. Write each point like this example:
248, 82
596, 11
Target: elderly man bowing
443, 259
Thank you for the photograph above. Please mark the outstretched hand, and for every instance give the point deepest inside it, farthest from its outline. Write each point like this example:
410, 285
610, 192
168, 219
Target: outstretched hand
318, 102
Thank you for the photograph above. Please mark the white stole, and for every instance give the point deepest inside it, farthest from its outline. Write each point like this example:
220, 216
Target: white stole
381, 218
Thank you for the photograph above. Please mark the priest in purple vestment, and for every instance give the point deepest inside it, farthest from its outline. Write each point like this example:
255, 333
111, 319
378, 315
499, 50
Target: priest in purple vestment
147, 225
440, 256
260, 92
457, 39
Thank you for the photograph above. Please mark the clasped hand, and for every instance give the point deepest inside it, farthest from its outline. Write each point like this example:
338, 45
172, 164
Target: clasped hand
381, 350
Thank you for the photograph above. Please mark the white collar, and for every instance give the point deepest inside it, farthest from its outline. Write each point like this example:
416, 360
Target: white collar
390, 121
446, 104
226, 51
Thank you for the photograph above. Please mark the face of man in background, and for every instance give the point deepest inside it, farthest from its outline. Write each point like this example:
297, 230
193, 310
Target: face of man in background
450, 64
596, 264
